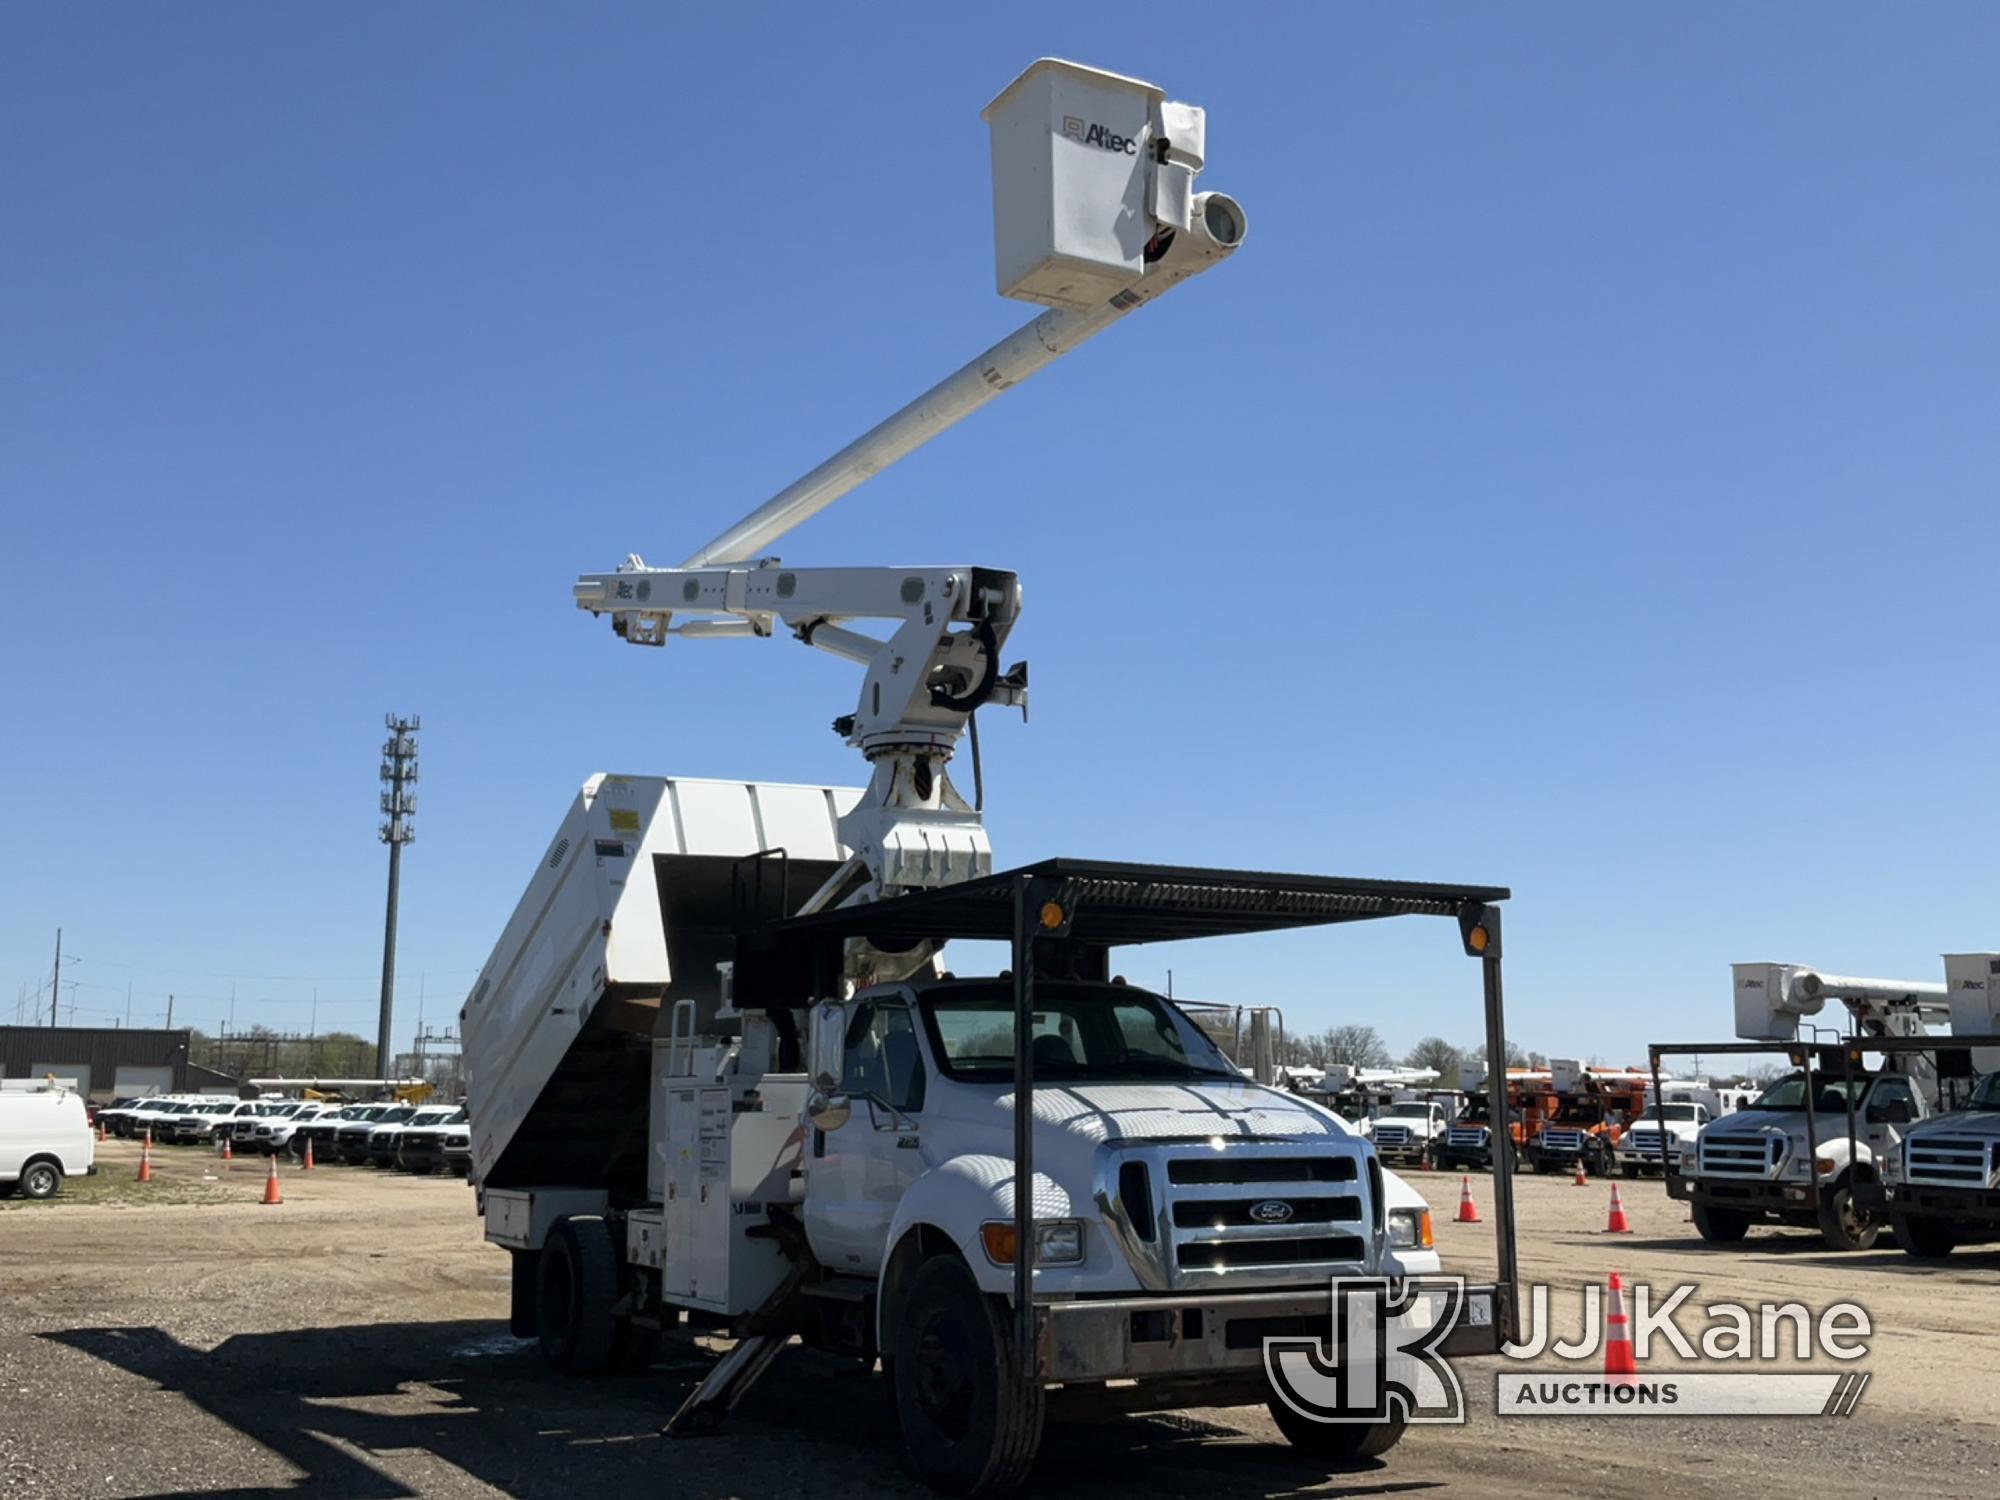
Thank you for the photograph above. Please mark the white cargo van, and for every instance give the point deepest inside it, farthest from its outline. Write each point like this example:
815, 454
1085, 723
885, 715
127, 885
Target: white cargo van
44, 1137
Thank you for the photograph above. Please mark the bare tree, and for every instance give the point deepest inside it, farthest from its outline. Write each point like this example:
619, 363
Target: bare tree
1516, 1058
1436, 1053
1357, 1046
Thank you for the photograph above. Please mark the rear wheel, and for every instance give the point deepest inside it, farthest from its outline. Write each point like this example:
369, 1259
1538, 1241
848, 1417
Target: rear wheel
577, 1286
40, 1179
1337, 1442
971, 1424
1923, 1237
1842, 1224
1720, 1226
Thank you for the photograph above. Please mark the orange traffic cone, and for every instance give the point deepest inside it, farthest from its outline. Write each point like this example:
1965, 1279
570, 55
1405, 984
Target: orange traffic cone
271, 1193
146, 1158
309, 1156
1468, 1211
102, 1133
1579, 1180
1618, 1224
1618, 1360
227, 1154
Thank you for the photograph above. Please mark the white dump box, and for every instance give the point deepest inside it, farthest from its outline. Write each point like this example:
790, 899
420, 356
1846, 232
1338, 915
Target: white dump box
635, 903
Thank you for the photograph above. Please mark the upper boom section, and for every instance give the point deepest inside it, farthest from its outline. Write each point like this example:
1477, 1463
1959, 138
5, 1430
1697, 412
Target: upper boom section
1094, 214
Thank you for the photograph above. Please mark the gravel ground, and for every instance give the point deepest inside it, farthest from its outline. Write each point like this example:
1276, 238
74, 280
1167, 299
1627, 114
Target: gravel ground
352, 1343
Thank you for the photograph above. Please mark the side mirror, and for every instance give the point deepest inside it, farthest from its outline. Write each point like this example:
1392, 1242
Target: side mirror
828, 1111
829, 1047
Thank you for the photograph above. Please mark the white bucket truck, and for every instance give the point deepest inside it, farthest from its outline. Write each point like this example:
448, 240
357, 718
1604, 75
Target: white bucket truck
1808, 1150
718, 1078
1942, 1189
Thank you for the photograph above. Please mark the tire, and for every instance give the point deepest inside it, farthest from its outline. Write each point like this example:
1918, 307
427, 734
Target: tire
1629, 1170
40, 1179
1923, 1237
1720, 1226
971, 1425
577, 1286
1337, 1442
1842, 1225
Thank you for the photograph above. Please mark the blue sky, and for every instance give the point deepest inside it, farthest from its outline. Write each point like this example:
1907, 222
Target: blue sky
1582, 481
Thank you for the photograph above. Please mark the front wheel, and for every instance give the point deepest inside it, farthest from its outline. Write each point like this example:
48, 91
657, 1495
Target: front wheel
1924, 1238
971, 1424
1337, 1442
1720, 1226
1842, 1224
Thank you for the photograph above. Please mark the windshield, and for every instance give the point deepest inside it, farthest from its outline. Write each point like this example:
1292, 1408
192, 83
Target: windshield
1987, 1095
1081, 1031
1830, 1095
1405, 1112
1581, 1111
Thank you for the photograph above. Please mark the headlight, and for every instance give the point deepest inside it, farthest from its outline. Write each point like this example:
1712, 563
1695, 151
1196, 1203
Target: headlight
1892, 1166
1058, 1242
1410, 1228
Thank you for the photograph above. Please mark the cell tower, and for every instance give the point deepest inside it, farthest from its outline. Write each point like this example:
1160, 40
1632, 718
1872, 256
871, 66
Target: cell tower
399, 806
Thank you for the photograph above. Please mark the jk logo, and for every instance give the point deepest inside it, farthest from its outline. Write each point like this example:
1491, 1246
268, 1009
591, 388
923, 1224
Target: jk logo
1380, 1357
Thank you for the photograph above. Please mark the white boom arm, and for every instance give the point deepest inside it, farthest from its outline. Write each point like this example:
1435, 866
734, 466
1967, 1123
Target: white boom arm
1771, 999
1216, 231
1096, 219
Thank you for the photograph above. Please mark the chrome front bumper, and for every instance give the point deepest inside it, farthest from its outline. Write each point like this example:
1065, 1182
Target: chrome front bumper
1140, 1338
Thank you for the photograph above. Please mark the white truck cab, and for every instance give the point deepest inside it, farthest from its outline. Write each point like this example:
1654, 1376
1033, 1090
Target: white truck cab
1642, 1149
1410, 1131
1134, 1192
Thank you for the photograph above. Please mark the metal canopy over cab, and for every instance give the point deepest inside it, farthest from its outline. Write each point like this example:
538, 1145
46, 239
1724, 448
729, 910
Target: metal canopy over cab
1062, 916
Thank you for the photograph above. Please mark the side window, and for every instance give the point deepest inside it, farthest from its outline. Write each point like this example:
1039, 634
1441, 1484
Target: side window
1890, 1091
882, 1060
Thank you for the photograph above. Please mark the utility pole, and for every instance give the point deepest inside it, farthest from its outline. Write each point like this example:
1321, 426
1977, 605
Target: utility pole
399, 805
55, 980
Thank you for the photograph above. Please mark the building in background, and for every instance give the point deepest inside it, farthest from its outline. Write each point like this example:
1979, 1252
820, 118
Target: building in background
110, 1062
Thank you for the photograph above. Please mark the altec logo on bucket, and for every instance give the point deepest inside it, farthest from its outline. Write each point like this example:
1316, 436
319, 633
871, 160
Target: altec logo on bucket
1381, 1356
1087, 134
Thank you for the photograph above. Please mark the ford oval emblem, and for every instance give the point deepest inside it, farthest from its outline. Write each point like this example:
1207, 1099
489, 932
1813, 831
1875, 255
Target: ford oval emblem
1271, 1211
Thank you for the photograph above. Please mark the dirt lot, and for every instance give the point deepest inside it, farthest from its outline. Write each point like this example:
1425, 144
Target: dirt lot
351, 1343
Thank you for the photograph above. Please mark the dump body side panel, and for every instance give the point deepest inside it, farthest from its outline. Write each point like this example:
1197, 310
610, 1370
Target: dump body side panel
629, 907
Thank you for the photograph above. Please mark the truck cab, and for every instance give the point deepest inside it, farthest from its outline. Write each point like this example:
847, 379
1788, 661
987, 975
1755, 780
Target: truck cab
1785, 1157
1136, 1197
1468, 1142
1661, 1137
1409, 1132
1942, 1187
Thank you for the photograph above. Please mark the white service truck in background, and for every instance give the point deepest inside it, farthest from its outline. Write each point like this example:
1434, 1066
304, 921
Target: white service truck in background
1942, 1189
1786, 1157
718, 1076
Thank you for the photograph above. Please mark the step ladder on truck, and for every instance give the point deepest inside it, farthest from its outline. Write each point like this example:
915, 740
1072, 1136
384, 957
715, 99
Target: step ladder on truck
721, 1081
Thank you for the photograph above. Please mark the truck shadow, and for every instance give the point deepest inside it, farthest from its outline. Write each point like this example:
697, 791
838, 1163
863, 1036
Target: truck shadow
361, 1412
